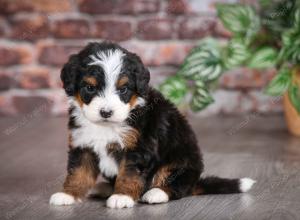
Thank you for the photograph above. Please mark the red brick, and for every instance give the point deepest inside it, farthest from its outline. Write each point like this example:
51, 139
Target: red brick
96, 6
2, 29
221, 31
32, 105
177, 6
159, 74
15, 6
60, 105
34, 78
2, 32
244, 78
155, 29
264, 103
55, 77
30, 29
226, 102
236, 102
196, 27
10, 7
55, 6
118, 6
156, 54
14, 55
56, 55
6, 107
71, 28
230, 102
113, 30
6, 80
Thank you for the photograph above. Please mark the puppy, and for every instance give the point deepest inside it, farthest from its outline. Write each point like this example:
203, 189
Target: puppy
129, 133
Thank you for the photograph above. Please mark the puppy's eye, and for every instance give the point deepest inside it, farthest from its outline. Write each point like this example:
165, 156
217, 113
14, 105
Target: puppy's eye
123, 90
90, 88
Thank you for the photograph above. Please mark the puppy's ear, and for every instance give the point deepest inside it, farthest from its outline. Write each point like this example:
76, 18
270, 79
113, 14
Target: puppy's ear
142, 83
142, 76
69, 74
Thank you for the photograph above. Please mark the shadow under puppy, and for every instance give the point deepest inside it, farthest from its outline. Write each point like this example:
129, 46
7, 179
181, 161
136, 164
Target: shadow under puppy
129, 133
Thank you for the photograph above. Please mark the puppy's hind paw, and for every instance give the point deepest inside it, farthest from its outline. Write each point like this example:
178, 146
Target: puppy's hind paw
155, 195
61, 198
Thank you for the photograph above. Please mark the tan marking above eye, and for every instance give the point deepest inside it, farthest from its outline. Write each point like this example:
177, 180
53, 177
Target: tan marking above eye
90, 80
133, 100
122, 81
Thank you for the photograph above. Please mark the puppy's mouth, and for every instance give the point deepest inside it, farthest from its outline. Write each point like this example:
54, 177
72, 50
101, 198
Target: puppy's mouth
104, 121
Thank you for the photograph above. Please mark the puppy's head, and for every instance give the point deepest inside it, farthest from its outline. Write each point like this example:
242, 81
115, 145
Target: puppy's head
106, 82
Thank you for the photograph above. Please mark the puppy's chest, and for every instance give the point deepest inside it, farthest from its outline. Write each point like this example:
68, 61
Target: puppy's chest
104, 141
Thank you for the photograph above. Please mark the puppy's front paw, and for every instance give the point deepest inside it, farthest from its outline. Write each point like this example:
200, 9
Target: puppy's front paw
155, 195
118, 201
61, 198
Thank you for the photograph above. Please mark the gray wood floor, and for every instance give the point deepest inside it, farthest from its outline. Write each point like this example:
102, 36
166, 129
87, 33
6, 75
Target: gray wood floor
33, 160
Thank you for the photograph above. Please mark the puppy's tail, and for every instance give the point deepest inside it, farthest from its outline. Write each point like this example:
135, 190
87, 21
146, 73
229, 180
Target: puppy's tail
217, 185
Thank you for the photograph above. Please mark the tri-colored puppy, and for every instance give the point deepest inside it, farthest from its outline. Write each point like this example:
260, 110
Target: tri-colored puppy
130, 134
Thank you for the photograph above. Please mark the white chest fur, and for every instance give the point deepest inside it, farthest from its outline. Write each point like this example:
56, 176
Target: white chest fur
97, 137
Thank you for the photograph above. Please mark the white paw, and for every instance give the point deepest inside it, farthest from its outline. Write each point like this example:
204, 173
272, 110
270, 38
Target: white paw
61, 198
155, 195
246, 184
118, 201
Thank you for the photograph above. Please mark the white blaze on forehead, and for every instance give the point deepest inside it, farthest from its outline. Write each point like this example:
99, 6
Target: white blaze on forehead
111, 62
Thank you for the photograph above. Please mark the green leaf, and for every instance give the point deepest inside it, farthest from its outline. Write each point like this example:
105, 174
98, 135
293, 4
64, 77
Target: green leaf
201, 97
297, 19
263, 58
290, 50
294, 96
277, 15
235, 54
203, 63
240, 19
174, 89
280, 83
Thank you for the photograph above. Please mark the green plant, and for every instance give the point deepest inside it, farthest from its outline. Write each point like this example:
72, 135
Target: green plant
265, 38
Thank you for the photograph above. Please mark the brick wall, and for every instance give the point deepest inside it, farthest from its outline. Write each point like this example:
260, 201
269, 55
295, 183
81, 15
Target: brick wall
37, 36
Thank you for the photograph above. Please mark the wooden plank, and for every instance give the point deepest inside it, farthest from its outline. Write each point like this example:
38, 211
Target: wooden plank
33, 161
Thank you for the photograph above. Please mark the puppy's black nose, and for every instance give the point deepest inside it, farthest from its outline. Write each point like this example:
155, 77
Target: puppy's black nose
105, 113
